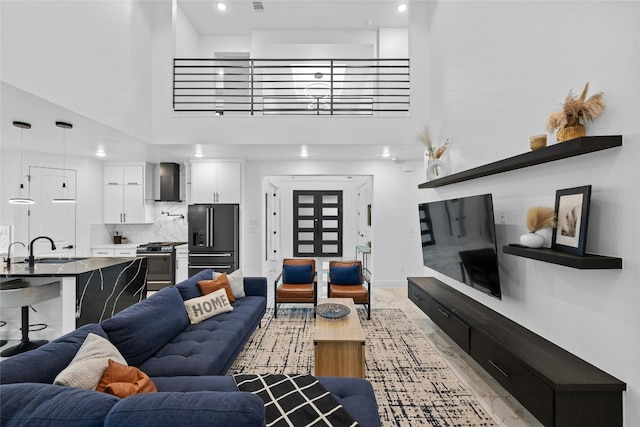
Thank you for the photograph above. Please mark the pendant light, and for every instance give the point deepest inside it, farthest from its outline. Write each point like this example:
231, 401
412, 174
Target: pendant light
21, 200
64, 199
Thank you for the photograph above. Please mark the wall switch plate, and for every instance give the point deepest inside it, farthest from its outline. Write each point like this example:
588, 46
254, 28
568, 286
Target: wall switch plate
501, 216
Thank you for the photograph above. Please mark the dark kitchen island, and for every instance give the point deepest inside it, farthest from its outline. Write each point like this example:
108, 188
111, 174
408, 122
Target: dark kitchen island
91, 290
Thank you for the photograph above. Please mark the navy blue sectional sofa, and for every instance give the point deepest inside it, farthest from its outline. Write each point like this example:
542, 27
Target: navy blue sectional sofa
185, 361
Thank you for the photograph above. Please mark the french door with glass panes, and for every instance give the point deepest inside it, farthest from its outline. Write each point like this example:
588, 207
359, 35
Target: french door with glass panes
317, 223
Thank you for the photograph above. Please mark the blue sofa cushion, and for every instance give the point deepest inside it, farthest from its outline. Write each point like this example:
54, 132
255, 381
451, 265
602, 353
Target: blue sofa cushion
204, 408
356, 396
346, 275
144, 328
297, 274
195, 383
46, 404
44, 365
189, 288
206, 348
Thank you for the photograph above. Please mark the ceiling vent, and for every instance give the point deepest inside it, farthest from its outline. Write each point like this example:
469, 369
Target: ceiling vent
258, 6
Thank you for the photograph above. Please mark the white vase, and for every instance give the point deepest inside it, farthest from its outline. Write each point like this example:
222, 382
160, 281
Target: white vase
436, 169
532, 240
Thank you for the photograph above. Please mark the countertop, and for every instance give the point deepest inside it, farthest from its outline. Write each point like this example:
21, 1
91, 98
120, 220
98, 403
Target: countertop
73, 268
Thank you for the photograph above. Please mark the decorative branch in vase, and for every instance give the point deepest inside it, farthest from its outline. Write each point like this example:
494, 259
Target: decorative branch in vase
435, 167
567, 121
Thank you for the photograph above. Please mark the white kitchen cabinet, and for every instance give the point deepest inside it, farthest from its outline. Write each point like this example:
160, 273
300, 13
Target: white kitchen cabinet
124, 194
125, 252
123, 174
114, 251
215, 182
182, 263
102, 252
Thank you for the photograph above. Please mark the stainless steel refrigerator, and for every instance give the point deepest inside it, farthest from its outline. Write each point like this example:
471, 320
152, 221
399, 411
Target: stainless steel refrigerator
214, 237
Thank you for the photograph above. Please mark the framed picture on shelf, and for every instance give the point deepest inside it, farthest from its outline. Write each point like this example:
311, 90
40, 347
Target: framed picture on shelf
572, 210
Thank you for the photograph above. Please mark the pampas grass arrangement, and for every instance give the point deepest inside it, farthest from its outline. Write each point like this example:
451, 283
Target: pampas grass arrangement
539, 217
574, 109
432, 154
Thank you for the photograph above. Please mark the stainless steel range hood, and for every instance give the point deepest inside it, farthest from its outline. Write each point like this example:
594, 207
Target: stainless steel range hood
168, 182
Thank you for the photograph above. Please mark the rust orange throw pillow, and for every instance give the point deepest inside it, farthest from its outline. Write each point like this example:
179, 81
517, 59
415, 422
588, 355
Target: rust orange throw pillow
221, 282
122, 381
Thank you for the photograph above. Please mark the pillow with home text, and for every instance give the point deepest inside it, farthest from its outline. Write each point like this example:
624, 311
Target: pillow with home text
207, 306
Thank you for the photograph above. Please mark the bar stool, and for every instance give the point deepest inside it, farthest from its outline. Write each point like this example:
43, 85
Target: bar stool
18, 293
3, 342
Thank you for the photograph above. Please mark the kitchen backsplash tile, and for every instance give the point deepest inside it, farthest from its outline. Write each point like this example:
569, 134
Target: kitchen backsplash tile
164, 228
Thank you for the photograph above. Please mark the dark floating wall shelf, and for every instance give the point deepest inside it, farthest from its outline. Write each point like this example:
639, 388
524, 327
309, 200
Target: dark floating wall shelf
586, 262
563, 150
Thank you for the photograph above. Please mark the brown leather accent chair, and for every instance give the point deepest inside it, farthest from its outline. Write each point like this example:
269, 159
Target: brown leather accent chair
299, 283
347, 280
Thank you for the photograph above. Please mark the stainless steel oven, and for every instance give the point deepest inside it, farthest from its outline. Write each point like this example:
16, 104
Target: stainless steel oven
161, 263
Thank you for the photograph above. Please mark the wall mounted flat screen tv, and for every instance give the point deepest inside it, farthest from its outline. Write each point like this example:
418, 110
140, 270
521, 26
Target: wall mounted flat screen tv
459, 241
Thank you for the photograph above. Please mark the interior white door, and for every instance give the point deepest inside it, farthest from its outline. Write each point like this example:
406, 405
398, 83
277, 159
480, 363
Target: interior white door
54, 220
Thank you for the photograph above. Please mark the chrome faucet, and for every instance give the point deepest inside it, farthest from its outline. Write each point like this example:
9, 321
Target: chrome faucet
32, 260
8, 259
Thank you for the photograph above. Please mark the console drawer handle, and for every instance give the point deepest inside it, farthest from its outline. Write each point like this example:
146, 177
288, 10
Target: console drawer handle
417, 297
444, 313
498, 368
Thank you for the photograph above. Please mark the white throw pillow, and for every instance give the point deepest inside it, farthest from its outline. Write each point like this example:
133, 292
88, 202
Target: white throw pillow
236, 280
89, 363
207, 306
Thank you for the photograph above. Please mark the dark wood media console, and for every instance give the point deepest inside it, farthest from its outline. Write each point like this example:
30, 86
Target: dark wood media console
557, 387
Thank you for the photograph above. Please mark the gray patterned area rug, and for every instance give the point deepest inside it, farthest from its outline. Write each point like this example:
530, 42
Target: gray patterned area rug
413, 384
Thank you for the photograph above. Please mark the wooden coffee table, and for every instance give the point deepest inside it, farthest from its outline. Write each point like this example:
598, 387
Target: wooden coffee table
339, 343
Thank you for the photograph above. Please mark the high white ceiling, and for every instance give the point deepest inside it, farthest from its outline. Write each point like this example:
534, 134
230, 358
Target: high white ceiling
241, 18
89, 136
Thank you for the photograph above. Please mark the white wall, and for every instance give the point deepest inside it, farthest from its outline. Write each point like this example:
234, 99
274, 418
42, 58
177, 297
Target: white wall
394, 213
187, 38
88, 186
93, 58
393, 43
497, 69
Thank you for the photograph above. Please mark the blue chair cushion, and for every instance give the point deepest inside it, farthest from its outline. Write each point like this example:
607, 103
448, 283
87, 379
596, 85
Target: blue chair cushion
297, 274
346, 275
144, 328
53, 405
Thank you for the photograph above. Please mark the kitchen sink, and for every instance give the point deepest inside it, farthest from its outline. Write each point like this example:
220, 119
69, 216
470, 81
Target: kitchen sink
52, 260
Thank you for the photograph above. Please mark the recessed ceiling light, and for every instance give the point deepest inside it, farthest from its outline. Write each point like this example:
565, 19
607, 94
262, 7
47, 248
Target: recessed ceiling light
198, 154
221, 6
402, 7
100, 153
385, 152
303, 152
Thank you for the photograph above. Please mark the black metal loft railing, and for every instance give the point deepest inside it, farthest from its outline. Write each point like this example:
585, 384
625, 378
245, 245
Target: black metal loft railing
291, 86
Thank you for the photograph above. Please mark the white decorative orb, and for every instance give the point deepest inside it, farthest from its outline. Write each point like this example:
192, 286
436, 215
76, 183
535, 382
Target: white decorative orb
532, 240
